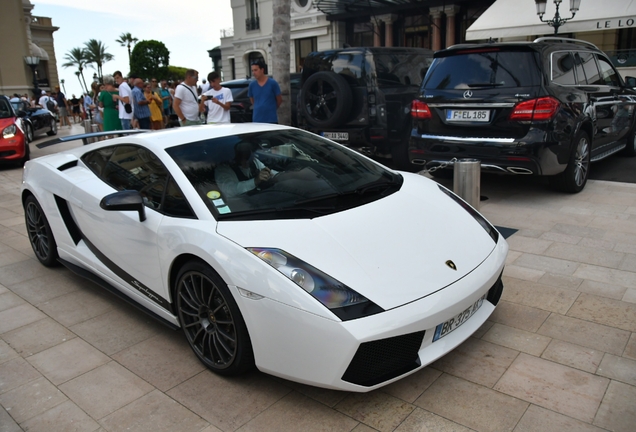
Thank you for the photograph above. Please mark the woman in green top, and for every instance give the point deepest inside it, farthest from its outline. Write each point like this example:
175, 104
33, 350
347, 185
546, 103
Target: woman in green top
109, 100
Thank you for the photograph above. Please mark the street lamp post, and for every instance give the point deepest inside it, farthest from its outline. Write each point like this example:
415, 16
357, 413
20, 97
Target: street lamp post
557, 21
33, 62
63, 88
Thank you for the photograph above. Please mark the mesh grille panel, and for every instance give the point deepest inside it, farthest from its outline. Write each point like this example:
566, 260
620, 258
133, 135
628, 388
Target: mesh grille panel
381, 360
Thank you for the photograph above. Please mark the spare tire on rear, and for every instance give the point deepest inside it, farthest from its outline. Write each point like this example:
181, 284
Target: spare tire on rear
326, 100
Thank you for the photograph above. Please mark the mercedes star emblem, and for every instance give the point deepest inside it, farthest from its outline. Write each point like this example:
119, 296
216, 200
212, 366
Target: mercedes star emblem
468, 94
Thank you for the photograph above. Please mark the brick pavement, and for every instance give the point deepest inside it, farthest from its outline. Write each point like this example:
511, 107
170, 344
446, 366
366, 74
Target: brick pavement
559, 353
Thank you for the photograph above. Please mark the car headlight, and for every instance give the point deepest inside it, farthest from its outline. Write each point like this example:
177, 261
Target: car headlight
9, 131
344, 302
491, 230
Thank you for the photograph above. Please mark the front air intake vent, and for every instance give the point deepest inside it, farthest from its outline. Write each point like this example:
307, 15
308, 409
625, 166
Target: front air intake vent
384, 359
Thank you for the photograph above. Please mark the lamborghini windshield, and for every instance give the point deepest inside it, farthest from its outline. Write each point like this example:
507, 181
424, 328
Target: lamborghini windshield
283, 174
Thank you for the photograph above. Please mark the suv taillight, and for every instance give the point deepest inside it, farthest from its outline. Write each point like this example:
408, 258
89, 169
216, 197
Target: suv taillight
535, 109
420, 111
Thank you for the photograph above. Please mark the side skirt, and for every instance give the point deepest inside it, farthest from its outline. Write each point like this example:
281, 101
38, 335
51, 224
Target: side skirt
101, 282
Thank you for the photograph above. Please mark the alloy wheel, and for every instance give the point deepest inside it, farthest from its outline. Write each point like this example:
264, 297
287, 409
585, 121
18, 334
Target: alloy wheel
582, 161
38, 231
207, 320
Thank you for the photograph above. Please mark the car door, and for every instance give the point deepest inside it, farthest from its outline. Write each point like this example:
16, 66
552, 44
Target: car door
622, 102
124, 245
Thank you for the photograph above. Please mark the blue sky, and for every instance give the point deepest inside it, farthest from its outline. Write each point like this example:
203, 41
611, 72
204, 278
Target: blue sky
187, 28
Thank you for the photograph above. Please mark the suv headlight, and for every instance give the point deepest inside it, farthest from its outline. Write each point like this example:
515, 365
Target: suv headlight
344, 302
9, 131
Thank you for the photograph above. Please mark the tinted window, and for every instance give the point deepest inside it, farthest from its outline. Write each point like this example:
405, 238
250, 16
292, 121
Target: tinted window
5, 108
483, 68
401, 69
587, 64
608, 74
351, 65
130, 167
563, 68
312, 176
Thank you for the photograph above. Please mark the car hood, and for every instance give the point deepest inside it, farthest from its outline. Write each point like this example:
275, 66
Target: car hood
393, 250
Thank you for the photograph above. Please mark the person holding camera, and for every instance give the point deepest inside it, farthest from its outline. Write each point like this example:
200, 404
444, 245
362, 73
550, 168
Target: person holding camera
217, 99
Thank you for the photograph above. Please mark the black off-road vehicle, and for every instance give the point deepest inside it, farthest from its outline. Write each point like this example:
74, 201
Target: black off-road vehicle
361, 97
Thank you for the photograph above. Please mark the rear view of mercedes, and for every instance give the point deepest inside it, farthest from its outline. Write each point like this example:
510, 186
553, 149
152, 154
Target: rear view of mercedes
548, 107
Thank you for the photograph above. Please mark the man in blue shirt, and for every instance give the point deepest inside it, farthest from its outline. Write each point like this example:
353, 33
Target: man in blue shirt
264, 93
140, 104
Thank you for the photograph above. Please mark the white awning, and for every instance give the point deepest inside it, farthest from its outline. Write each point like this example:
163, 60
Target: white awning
37, 51
514, 18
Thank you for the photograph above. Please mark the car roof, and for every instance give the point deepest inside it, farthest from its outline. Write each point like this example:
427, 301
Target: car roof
539, 44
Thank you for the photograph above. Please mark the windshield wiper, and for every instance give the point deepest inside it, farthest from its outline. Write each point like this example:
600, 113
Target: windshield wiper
485, 85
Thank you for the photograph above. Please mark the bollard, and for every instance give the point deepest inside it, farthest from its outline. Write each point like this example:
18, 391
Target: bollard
466, 180
87, 126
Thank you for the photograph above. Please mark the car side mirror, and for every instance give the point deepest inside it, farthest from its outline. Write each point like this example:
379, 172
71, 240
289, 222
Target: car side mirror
126, 200
630, 82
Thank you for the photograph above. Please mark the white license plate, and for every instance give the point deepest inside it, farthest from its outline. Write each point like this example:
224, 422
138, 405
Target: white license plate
336, 136
446, 327
467, 115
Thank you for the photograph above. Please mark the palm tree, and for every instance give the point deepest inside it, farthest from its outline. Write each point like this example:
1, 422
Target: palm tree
126, 39
76, 57
96, 54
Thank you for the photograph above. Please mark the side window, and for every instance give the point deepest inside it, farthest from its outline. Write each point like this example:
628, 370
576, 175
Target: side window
563, 68
130, 167
174, 203
608, 74
587, 64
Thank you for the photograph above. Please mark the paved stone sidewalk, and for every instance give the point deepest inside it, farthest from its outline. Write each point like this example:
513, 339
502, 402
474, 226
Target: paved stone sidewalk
558, 354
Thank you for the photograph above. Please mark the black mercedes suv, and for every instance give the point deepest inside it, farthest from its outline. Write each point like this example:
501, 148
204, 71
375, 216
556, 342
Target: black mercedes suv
361, 97
548, 107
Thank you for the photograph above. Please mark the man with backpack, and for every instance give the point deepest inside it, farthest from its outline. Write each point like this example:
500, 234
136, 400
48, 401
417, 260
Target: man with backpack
48, 102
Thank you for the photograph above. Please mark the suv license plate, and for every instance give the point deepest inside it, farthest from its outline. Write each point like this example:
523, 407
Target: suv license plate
467, 115
446, 327
336, 136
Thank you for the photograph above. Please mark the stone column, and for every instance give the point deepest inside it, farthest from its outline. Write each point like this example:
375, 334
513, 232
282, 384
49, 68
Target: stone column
436, 36
377, 28
388, 28
450, 11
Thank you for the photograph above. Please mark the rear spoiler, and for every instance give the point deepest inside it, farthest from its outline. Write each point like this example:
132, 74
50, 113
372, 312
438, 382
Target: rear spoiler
85, 137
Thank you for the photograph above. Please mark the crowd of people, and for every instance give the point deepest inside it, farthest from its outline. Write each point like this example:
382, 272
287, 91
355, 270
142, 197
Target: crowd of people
123, 103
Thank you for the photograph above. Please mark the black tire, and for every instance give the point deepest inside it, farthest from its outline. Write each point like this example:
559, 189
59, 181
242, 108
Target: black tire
326, 100
27, 153
574, 178
53, 130
630, 150
39, 233
28, 133
211, 320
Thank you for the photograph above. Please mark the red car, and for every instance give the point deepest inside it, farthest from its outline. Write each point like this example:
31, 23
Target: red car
13, 143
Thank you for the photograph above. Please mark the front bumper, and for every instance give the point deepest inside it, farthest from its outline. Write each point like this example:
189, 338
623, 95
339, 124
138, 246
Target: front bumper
303, 347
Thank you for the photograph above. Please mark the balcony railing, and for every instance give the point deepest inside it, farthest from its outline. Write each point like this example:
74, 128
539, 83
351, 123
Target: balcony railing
228, 32
622, 58
252, 24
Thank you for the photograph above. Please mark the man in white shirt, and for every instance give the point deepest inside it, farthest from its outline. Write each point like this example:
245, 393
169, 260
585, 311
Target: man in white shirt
124, 98
45, 98
218, 100
186, 103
